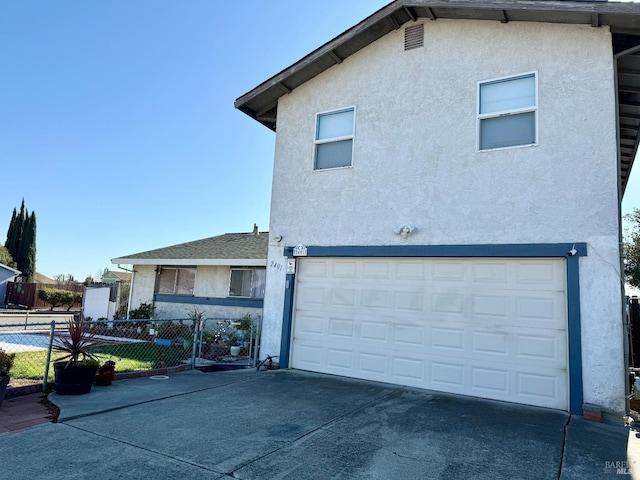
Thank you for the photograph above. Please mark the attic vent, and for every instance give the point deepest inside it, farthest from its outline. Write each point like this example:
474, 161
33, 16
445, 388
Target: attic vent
414, 37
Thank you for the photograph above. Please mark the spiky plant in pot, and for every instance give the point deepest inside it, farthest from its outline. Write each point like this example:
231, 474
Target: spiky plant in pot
76, 369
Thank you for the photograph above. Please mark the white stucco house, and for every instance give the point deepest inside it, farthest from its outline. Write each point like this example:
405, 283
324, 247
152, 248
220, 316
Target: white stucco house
221, 276
446, 200
7, 274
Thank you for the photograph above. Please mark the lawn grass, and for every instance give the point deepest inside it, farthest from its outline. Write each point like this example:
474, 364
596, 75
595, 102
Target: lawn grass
129, 357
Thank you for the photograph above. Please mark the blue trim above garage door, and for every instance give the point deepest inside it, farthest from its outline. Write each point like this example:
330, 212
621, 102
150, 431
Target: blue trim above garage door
570, 251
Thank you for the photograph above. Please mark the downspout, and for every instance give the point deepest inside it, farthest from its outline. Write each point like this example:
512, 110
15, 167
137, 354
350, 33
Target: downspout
133, 276
133, 273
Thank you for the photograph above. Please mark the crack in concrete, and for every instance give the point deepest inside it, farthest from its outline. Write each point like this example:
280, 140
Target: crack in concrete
564, 444
144, 449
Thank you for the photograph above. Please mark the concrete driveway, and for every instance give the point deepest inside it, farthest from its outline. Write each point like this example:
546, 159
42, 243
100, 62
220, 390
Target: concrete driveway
295, 425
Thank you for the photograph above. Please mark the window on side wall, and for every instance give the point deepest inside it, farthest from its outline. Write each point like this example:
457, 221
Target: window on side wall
334, 139
176, 280
247, 282
507, 112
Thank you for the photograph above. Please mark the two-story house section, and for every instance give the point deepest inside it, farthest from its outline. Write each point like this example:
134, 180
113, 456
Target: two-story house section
446, 200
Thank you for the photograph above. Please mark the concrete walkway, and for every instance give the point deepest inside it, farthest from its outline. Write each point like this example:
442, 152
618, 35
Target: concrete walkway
294, 425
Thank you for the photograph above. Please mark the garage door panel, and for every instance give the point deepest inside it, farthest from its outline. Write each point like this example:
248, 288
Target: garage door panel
410, 270
342, 327
310, 297
493, 328
314, 269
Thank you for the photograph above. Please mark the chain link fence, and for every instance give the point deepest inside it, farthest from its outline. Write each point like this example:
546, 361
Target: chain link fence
138, 347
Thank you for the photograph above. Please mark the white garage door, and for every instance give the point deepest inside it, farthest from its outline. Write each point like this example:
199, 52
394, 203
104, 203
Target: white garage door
491, 328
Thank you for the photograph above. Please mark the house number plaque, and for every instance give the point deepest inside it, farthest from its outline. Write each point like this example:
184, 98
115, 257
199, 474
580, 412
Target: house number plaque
300, 251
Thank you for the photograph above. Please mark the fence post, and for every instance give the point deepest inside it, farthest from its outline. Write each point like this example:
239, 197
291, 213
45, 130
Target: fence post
26, 320
46, 366
196, 330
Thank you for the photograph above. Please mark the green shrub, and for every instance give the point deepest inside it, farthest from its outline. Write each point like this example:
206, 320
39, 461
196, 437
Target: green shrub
144, 312
6, 362
171, 331
57, 298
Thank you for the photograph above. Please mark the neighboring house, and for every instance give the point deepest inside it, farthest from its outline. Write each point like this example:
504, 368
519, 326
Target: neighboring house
7, 274
446, 200
110, 276
222, 276
40, 278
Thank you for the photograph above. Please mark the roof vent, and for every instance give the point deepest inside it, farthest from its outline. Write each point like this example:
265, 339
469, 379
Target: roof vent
256, 232
414, 37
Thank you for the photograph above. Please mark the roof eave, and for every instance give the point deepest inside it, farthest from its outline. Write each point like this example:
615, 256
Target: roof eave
233, 262
17, 272
261, 102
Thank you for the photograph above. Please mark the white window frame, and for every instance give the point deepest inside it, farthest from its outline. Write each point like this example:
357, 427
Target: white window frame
317, 142
176, 270
503, 113
253, 279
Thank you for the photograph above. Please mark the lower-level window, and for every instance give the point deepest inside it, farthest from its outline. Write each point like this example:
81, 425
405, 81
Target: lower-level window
247, 282
176, 280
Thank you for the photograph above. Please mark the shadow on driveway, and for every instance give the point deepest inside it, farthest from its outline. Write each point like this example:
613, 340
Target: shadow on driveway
295, 425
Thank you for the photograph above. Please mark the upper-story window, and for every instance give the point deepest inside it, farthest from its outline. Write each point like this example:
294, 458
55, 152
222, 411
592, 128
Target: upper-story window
334, 139
176, 280
507, 112
247, 282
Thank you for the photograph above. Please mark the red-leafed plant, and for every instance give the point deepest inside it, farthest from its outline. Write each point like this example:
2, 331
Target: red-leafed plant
78, 344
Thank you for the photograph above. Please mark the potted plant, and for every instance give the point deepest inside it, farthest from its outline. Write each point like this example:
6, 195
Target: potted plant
6, 362
105, 373
75, 371
233, 340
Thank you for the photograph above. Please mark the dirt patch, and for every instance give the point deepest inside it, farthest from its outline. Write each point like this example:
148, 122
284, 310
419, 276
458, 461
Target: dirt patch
52, 410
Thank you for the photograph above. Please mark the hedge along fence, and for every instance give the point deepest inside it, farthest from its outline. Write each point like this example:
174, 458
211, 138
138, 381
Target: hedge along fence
26, 294
138, 347
58, 298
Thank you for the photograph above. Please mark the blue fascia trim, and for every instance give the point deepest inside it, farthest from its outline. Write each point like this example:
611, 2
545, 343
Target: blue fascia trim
530, 250
574, 336
500, 250
222, 301
287, 319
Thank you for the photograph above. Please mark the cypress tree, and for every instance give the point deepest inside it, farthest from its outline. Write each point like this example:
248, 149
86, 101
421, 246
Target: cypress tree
11, 244
21, 240
28, 247
19, 232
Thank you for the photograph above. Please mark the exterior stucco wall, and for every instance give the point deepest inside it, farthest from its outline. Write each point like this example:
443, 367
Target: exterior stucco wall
143, 283
180, 311
415, 162
212, 281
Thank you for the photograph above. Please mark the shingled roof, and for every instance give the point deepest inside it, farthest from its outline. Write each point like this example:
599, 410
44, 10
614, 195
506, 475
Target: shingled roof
247, 249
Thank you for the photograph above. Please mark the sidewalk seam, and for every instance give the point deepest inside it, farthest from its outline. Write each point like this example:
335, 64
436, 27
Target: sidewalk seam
63, 419
160, 454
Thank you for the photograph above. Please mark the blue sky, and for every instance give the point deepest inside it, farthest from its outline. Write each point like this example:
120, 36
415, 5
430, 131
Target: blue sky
117, 123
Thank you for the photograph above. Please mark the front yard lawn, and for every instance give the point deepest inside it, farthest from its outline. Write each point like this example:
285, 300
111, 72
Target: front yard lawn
129, 357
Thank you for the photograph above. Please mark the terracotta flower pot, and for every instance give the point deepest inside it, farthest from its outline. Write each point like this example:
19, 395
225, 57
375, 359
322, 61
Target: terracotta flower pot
105, 378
